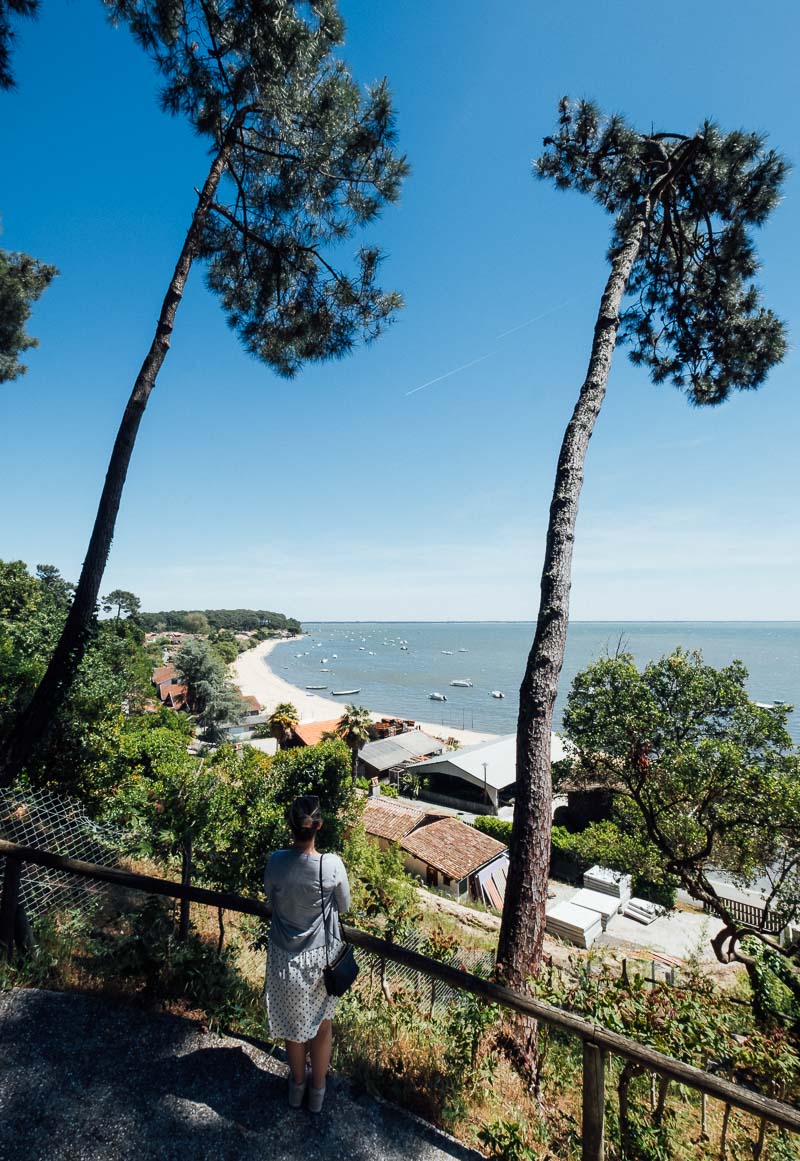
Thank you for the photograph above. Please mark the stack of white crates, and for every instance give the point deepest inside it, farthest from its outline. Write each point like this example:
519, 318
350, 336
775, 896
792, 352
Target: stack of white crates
608, 882
573, 924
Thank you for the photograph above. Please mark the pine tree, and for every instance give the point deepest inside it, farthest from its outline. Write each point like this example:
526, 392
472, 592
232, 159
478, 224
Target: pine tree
9, 8
682, 252
298, 161
22, 280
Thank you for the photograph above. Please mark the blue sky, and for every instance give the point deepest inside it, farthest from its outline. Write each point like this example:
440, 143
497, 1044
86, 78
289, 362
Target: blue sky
346, 493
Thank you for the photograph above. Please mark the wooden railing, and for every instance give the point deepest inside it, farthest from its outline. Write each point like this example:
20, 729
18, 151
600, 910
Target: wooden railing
748, 915
598, 1042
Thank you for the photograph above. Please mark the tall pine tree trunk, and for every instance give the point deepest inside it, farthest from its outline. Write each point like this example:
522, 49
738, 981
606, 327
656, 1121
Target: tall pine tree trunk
32, 725
522, 931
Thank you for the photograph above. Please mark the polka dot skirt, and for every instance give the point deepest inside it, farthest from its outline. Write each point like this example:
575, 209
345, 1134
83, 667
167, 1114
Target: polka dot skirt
295, 995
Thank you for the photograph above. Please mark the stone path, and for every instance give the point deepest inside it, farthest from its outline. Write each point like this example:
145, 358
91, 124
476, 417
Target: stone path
85, 1080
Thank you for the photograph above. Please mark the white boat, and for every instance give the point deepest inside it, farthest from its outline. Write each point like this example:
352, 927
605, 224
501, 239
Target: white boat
437, 697
497, 693
463, 650
324, 661
370, 653
344, 692
334, 656
462, 683
316, 687
447, 652
404, 648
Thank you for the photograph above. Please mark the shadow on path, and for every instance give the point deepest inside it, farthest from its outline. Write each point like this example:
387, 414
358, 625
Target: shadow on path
84, 1079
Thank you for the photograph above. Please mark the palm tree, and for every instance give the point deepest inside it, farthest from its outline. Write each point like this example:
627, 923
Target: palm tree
681, 249
282, 721
353, 729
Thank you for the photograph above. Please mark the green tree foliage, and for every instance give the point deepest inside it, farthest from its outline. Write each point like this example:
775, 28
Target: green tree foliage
322, 770
9, 9
196, 623
353, 729
121, 601
210, 693
301, 159
236, 620
684, 210
22, 281
711, 779
113, 678
282, 721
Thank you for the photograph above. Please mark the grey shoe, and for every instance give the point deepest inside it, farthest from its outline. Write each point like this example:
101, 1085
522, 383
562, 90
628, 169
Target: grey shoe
315, 1098
296, 1092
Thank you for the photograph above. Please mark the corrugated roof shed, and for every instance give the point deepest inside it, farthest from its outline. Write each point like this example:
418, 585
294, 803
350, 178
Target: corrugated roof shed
499, 755
388, 752
452, 847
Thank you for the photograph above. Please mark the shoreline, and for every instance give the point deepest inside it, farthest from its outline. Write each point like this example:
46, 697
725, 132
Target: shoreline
254, 675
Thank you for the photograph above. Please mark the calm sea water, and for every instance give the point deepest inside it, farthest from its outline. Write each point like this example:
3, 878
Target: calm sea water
369, 657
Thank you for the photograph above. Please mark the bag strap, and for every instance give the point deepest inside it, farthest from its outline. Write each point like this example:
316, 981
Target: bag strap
324, 921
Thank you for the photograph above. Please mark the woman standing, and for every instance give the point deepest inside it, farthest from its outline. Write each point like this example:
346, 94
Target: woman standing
298, 1006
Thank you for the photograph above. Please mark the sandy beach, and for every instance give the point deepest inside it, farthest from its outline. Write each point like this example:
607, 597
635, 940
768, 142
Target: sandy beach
253, 675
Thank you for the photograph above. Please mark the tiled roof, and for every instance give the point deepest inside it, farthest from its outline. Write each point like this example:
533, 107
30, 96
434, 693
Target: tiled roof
388, 819
164, 673
452, 847
175, 695
253, 702
310, 733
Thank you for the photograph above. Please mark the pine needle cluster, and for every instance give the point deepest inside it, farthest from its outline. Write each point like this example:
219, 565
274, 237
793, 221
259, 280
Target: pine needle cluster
695, 315
309, 160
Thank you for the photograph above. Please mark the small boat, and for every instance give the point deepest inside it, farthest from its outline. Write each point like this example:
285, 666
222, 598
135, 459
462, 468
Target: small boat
463, 650
334, 656
324, 661
361, 648
437, 697
497, 693
326, 671
447, 652
344, 692
316, 687
404, 648
298, 654
370, 653
462, 683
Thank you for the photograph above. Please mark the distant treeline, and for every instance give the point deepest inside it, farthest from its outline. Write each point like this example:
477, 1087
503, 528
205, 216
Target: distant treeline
237, 620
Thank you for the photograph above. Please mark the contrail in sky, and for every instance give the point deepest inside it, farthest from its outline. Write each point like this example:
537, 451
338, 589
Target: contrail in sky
447, 374
482, 358
536, 318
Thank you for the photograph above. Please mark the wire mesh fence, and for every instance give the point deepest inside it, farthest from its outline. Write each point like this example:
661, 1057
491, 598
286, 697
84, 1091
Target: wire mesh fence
39, 818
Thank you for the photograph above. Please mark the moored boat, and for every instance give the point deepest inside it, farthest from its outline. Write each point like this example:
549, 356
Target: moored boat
462, 683
344, 692
437, 697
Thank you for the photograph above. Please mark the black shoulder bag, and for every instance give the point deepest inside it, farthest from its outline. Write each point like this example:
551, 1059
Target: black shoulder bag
340, 974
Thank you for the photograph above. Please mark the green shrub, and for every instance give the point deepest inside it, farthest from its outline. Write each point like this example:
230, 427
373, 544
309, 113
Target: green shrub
498, 828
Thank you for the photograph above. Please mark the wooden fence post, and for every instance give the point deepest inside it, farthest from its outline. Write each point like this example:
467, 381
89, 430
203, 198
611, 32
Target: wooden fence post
9, 904
594, 1100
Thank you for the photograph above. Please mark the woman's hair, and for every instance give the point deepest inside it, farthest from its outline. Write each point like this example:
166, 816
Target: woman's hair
303, 816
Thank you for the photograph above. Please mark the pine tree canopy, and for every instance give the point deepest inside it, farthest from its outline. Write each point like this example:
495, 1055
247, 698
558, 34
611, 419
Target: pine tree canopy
308, 160
9, 8
22, 280
695, 315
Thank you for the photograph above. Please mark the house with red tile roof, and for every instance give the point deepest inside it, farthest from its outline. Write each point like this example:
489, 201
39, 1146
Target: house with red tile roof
441, 849
310, 733
165, 675
174, 696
